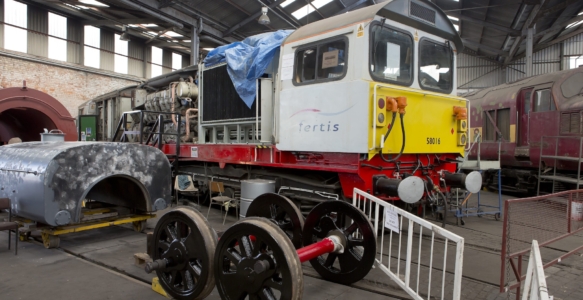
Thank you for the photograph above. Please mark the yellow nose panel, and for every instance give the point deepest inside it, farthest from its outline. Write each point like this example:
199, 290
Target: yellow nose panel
429, 121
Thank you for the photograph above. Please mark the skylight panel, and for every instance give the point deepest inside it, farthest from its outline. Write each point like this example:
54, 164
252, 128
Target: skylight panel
94, 2
287, 2
453, 18
307, 9
575, 23
149, 25
173, 34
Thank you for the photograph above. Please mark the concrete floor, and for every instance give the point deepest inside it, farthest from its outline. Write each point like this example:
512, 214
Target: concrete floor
99, 264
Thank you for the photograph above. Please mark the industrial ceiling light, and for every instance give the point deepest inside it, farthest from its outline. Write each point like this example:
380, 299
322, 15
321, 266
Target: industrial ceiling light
264, 19
124, 36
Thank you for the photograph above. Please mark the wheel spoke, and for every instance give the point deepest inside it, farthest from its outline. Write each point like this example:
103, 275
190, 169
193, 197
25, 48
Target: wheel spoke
171, 232
286, 225
273, 211
183, 280
194, 270
173, 278
272, 283
355, 242
352, 228
233, 256
163, 245
330, 260
257, 246
348, 261
267, 293
245, 243
319, 233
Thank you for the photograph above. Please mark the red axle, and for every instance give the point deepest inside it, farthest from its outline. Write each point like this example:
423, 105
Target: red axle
312, 251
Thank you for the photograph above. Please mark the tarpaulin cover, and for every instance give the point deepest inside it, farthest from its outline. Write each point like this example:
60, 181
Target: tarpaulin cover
247, 60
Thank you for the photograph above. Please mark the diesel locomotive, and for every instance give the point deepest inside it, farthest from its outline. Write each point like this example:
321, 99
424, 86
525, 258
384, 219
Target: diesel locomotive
365, 99
543, 111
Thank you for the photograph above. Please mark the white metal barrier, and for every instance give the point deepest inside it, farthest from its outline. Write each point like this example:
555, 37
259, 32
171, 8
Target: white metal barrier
393, 218
535, 283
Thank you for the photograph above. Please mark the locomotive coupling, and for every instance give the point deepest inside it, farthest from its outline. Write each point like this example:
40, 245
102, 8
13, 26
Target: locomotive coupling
410, 189
472, 182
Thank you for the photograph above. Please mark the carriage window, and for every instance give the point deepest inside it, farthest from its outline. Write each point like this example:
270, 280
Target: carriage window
543, 101
435, 66
321, 62
391, 55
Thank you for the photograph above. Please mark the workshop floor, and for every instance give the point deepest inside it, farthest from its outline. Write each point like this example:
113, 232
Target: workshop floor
99, 264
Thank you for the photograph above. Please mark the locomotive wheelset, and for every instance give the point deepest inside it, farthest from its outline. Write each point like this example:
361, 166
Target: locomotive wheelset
255, 257
364, 100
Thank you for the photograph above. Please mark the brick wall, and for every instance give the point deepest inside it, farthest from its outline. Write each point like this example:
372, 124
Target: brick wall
70, 87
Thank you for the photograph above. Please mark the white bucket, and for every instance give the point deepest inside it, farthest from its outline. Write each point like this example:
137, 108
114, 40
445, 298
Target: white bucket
577, 211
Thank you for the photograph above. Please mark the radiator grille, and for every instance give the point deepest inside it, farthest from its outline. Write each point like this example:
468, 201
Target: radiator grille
220, 99
422, 13
571, 123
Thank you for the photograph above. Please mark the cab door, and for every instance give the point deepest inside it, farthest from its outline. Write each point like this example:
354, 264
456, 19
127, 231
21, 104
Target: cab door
524, 107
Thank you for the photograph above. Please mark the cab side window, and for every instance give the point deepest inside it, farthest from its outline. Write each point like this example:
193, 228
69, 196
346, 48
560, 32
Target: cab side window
543, 101
322, 62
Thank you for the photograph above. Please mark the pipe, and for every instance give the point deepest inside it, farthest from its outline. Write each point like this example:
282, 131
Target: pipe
211, 39
152, 13
173, 91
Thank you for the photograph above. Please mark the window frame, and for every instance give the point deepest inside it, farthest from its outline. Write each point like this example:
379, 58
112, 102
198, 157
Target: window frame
421, 40
317, 45
552, 102
370, 58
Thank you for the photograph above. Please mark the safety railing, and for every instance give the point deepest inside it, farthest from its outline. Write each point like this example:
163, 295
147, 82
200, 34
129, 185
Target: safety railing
535, 285
421, 267
547, 219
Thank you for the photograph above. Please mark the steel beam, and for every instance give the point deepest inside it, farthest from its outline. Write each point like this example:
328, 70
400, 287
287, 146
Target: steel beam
510, 31
529, 38
351, 7
195, 45
527, 24
485, 48
152, 13
121, 21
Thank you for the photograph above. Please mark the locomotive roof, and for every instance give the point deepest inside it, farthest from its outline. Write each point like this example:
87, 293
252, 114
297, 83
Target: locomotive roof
507, 91
398, 10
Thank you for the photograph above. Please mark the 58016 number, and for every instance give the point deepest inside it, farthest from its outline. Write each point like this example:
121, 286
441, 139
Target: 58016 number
433, 141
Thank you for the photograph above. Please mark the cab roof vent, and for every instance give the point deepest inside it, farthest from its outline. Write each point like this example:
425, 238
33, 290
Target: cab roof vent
423, 13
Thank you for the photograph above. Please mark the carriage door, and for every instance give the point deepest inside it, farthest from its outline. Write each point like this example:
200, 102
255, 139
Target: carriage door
523, 106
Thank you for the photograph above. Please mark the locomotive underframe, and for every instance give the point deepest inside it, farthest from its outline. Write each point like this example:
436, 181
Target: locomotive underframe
306, 177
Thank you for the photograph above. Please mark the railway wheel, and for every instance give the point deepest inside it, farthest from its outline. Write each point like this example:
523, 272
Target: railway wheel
282, 212
139, 226
256, 260
183, 248
51, 241
344, 220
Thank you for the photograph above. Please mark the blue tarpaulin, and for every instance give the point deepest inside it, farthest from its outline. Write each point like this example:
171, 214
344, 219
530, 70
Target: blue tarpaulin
247, 60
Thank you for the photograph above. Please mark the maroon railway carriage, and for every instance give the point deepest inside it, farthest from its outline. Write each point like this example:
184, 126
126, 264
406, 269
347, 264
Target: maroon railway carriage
520, 114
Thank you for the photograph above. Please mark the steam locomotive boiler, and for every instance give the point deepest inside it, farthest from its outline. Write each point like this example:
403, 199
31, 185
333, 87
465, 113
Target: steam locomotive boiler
365, 99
